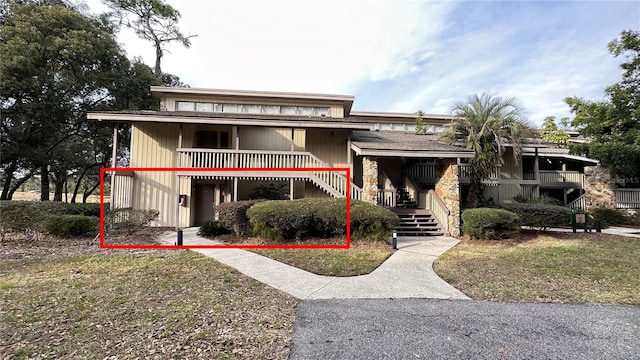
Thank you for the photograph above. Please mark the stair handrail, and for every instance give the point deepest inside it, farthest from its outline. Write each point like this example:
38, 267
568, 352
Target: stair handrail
356, 191
408, 180
578, 203
439, 209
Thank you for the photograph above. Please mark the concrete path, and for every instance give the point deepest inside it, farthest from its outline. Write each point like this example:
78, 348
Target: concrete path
408, 273
612, 230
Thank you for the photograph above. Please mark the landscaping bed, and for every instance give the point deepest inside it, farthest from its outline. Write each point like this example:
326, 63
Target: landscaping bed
546, 267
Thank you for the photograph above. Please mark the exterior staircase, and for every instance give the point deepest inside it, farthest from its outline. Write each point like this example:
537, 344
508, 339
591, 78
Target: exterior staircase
404, 200
417, 222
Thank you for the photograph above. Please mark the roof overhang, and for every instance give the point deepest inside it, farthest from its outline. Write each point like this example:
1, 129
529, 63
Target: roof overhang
564, 156
411, 153
168, 117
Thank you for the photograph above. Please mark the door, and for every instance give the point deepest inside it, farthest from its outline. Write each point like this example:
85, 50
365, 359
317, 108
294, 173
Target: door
204, 202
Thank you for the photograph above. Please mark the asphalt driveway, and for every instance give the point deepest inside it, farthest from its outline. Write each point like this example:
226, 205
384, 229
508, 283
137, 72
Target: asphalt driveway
454, 329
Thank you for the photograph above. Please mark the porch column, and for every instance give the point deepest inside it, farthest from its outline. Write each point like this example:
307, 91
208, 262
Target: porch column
370, 179
176, 198
448, 190
599, 188
291, 164
536, 173
114, 154
349, 157
236, 145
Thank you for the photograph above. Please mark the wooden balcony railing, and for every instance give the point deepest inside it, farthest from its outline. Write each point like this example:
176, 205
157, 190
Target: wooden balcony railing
628, 198
556, 177
387, 198
333, 182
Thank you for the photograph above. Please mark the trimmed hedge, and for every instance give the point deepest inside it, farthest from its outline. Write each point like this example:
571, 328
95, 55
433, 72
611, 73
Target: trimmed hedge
305, 218
298, 219
73, 225
490, 223
371, 222
233, 216
608, 217
211, 228
540, 216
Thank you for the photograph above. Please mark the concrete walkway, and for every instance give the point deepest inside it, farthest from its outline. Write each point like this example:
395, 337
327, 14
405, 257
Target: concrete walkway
612, 230
408, 273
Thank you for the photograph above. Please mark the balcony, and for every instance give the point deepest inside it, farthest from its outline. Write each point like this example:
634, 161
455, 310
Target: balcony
558, 178
334, 183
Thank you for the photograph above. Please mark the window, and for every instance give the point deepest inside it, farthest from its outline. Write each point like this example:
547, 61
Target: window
204, 107
321, 111
288, 110
251, 109
305, 110
212, 139
185, 106
270, 109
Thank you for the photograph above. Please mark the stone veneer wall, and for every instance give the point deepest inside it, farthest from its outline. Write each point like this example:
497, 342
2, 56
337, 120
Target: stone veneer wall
369, 179
599, 188
448, 189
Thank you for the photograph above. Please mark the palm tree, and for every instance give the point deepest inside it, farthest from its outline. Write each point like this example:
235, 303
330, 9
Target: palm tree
487, 125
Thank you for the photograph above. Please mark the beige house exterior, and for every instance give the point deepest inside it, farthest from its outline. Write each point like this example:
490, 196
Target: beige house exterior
211, 129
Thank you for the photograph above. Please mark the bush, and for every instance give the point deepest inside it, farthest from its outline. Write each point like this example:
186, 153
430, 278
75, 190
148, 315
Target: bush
608, 216
270, 191
489, 223
304, 218
212, 228
542, 199
27, 217
88, 209
129, 220
298, 219
540, 216
371, 222
233, 216
73, 225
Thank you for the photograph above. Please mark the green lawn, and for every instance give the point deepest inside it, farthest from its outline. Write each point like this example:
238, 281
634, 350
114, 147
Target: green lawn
171, 304
583, 268
362, 258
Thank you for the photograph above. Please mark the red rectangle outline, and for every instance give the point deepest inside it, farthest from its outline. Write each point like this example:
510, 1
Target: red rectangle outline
347, 245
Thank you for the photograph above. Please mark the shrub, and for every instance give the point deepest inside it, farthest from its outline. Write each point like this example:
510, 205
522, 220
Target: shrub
72, 225
129, 220
303, 218
270, 191
540, 216
88, 209
542, 199
489, 223
212, 228
27, 217
608, 216
298, 219
371, 222
233, 216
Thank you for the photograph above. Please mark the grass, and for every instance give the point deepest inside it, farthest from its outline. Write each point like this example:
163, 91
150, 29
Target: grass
546, 268
171, 304
362, 258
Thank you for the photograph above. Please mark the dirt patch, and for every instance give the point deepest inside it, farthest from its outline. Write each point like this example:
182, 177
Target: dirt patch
16, 246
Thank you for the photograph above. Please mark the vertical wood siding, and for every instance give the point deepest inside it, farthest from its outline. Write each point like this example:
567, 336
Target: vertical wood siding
153, 145
262, 138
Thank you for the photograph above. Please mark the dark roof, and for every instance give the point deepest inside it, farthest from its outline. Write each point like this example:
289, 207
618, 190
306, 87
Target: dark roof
399, 141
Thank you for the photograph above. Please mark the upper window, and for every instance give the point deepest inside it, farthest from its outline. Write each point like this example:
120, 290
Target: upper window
320, 111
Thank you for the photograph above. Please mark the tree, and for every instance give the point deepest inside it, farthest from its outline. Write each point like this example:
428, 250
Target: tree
551, 133
613, 124
421, 128
487, 125
152, 20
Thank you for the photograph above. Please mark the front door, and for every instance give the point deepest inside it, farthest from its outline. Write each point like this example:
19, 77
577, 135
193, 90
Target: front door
204, 202
208, 196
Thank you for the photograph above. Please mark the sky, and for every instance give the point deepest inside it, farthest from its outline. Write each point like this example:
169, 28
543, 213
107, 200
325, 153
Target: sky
400, 55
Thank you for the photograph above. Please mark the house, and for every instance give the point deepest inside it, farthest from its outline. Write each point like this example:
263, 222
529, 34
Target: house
420, 178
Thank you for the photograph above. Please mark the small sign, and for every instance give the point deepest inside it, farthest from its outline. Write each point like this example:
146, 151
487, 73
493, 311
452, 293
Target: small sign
580, 218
